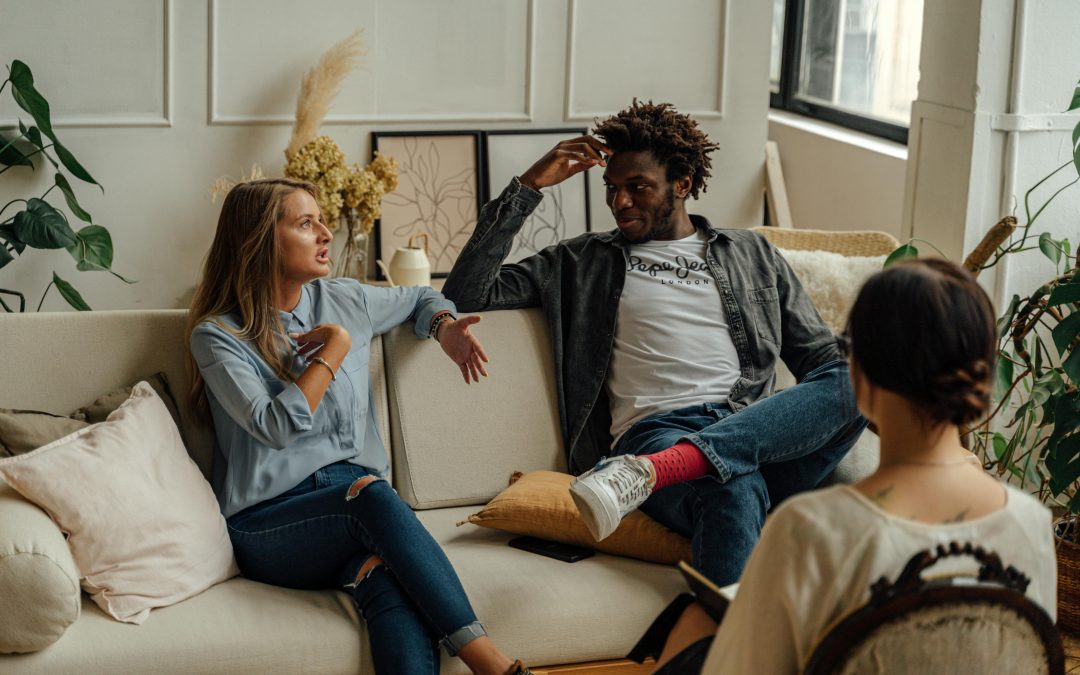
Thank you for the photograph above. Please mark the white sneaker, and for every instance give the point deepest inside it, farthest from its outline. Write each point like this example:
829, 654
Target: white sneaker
605, 494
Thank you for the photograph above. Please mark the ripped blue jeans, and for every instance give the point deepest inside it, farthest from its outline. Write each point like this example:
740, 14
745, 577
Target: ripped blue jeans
319, 534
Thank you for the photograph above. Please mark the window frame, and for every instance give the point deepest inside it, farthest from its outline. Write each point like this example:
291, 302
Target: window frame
787, 97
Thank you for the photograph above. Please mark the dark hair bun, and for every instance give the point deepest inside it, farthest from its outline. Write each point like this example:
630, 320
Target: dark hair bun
925, 330
962, 395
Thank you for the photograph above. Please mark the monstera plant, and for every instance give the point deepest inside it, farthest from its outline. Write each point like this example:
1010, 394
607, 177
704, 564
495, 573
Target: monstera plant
1037, 440
34, 222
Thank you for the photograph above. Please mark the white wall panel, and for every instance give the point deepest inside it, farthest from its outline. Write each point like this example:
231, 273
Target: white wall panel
619, 49
468, 60
106, 67
256, 65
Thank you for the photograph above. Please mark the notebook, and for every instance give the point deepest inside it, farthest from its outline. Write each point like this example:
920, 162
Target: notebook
713, 598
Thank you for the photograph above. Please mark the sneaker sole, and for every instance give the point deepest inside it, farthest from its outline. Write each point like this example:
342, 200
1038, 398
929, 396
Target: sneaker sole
593, 514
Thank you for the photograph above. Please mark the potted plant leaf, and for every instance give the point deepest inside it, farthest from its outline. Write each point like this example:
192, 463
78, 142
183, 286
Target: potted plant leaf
39, 224
1032, 433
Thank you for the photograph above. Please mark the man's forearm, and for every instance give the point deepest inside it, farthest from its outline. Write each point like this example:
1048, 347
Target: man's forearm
474, 283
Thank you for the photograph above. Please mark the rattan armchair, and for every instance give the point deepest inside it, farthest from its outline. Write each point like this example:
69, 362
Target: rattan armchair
958, 624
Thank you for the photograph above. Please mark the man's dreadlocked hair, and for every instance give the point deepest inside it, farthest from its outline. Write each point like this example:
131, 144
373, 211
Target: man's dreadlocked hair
673, 139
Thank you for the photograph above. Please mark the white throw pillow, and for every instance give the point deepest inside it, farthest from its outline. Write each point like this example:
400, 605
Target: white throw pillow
143, 524
832, 280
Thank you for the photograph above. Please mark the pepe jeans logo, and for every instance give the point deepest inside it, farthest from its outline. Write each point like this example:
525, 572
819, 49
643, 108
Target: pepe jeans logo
663, 270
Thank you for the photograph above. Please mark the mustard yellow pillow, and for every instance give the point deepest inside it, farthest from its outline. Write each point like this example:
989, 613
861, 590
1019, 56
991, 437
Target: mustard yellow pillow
538, 504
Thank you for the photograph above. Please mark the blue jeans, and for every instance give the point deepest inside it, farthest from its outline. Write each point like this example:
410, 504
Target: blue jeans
768, 451
319, 534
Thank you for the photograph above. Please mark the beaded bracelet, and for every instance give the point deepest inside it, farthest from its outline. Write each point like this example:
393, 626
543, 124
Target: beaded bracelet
444, 315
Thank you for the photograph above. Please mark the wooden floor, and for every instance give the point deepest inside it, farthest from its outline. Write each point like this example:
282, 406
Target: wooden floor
598, 668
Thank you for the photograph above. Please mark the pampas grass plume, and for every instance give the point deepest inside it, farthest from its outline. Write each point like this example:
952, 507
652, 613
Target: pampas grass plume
320, 86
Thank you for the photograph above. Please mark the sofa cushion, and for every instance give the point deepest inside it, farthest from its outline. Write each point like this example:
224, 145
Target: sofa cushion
39, 585
454, 443
239, 627
104, 405
25, 430
546, 611
143, 524
832, 280
538, 504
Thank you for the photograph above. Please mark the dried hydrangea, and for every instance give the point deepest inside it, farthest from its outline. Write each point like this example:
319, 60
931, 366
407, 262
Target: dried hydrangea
322, 163
386, 170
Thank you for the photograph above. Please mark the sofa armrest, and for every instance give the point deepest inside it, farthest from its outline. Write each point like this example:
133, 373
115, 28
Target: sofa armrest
39, 583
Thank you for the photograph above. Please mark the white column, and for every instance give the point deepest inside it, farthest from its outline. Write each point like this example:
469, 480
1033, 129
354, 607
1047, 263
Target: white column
987, 125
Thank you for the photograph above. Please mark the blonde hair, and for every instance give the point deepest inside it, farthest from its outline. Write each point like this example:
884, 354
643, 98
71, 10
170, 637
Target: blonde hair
241, 274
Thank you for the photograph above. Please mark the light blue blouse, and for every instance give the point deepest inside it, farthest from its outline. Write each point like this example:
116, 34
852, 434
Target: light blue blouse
268, 438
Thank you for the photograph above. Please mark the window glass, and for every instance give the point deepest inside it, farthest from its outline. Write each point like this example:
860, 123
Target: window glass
777, 44
861, 56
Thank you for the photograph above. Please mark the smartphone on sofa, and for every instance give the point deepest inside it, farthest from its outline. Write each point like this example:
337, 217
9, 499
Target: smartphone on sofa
552, 549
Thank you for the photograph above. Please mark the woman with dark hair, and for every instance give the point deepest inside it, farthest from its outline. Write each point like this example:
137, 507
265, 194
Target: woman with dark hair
922, 343
279, 360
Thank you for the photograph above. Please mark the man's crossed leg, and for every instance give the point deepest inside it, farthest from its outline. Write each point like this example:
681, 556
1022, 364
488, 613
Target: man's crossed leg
781, 445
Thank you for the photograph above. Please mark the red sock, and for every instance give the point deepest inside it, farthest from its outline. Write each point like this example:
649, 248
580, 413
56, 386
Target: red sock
681, 462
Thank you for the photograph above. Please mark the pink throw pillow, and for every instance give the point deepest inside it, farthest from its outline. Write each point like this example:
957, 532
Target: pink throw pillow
143, 524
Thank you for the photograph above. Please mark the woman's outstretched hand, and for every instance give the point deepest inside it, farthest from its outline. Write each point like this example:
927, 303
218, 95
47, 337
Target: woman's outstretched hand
463, 348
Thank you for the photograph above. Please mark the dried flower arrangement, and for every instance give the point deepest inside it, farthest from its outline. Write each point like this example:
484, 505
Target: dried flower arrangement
350, 193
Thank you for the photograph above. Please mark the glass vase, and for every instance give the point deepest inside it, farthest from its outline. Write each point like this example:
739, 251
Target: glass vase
358, 261
354, 255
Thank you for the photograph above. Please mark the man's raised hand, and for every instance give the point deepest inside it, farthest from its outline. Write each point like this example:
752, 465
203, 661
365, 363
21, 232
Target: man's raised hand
566, 159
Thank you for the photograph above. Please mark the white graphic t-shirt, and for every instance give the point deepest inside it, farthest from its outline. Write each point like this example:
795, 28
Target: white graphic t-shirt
672, 345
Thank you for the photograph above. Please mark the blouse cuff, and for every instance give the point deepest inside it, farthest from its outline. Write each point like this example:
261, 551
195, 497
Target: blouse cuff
296, 407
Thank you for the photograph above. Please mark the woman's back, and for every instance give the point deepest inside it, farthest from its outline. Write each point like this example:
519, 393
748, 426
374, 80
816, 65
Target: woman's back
923, 343
820, 552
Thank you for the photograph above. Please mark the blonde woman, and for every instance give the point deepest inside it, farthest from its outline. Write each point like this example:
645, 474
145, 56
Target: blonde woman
922, 344
280, 361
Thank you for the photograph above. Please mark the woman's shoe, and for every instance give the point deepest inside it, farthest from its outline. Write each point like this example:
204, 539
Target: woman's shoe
652, 642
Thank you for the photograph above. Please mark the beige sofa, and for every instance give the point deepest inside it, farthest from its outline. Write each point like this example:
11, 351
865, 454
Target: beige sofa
453, 448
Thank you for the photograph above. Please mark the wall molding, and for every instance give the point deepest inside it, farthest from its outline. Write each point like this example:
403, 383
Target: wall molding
716, 113
216, 118
165, 119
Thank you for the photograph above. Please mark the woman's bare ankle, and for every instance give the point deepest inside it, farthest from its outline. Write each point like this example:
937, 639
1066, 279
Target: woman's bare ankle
484, 658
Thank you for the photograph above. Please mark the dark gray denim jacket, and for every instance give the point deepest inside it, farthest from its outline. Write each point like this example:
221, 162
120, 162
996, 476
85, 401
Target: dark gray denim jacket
578, 282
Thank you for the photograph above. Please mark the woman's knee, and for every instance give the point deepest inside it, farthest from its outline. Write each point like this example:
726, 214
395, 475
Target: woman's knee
376, 507
365, 570
358, 485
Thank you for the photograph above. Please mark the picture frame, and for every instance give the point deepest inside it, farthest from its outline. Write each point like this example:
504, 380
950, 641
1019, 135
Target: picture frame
564, 212
440, 191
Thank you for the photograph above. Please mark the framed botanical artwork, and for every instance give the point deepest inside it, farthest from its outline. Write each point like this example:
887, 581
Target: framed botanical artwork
440, 183
564, 212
